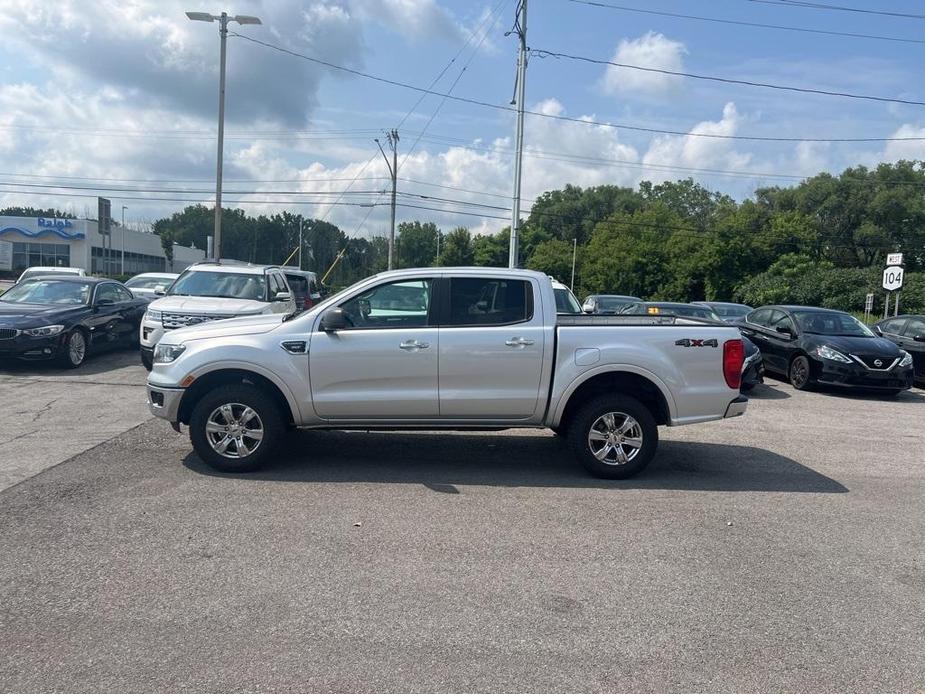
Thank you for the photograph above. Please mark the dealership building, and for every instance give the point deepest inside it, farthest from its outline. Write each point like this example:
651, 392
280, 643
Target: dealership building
77, 243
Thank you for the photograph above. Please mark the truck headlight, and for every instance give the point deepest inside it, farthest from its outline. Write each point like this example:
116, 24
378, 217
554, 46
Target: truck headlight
44, 331
906, 360
164, 354
826, 352
153, 315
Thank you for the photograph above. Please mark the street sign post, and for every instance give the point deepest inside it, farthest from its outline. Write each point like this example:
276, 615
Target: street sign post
868, 307
104, 226
892, 282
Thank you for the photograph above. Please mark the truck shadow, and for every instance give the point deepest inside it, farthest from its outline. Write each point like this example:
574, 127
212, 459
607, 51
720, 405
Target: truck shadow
443, 461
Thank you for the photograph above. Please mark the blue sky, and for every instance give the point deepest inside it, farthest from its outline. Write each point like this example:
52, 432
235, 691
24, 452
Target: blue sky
127, 92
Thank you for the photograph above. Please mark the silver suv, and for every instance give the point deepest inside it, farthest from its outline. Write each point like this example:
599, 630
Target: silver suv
214, 291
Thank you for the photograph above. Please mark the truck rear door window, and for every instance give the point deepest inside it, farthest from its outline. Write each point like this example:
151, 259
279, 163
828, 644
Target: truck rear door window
489, 301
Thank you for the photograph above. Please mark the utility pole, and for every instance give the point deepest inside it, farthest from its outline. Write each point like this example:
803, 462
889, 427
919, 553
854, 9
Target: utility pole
392, 136
300, 242
520, 28
124, 208
574, 255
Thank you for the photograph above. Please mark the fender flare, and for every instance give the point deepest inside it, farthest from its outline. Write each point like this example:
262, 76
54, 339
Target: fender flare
234, 365
614, 368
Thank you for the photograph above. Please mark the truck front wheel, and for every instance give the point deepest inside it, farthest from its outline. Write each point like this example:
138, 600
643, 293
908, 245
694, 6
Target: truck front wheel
235, 428
614, 436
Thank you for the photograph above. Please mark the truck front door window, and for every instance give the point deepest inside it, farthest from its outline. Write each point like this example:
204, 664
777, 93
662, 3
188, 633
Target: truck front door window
403, 304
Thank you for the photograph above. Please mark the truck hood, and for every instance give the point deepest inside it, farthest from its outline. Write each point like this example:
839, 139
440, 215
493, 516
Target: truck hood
248, 325
208, 305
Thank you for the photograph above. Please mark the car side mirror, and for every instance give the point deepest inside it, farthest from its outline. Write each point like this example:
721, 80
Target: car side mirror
104, 302
282, 296
878, 330
160, 291
334, 319
784, 330
918, 338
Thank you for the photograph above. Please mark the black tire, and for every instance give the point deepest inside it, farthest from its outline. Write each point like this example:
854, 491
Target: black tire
72, 356
747, 387
800, 373
147, 359
894, 392
237, 396
610, 467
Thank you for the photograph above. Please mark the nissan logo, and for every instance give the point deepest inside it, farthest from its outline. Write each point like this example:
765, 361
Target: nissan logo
878, 362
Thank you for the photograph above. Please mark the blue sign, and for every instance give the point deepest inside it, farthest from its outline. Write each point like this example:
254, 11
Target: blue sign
54, 223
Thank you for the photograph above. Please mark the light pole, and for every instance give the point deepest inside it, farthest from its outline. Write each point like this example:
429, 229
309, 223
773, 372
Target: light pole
223, 20
124, 208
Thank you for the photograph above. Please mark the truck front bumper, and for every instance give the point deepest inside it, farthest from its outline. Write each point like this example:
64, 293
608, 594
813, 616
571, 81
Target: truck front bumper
165, 402
737, 407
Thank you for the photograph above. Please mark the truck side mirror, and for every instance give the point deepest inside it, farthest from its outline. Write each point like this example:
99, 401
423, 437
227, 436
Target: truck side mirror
334, 319
282, 296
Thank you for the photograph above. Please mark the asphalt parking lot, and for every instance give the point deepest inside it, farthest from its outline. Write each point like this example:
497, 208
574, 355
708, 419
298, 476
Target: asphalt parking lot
784, 551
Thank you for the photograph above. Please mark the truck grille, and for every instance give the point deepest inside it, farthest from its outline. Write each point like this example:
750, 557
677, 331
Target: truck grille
182, 320
8, 333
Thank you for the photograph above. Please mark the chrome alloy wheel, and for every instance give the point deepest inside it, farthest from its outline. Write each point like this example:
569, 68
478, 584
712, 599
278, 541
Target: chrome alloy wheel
234, 430
615, 438
76, 348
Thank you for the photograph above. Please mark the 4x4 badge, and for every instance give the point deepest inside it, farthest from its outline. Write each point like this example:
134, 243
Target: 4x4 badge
697, 343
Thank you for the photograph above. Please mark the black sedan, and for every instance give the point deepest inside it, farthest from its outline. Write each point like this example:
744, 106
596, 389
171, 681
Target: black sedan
65, 318
908, 333
811, 346
752, 367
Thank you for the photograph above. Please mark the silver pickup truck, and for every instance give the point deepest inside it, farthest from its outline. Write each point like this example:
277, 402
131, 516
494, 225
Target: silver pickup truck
446, 348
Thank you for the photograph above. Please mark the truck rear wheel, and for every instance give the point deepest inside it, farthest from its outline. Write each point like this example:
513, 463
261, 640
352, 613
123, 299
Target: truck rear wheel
614, 436
235, 428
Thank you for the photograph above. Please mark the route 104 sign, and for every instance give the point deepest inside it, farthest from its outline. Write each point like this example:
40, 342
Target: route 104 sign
893, 278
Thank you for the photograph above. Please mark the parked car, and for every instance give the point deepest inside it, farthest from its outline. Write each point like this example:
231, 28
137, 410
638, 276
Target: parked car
809, 345
46, 271
670, 308
147, 284
490, 338
752, 367
306, 289
908, 333
211, 291
566, 303
607, 303
66, 318
727, 311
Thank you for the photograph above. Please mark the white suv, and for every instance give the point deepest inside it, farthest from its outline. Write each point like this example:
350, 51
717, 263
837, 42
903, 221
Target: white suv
214, 291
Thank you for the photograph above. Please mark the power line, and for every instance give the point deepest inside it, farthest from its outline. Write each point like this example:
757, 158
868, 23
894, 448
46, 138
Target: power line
542, 53
571, 119
840, 8
717, 20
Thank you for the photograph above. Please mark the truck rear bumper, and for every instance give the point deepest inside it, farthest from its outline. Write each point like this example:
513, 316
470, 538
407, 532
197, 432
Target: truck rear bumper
737, 407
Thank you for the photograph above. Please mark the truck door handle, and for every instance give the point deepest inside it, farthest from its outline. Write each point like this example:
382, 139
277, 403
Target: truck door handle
412, 345
518, 342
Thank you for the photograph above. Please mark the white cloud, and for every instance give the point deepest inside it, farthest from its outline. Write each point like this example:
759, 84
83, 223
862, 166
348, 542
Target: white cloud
698, 152
650, 50
910, 149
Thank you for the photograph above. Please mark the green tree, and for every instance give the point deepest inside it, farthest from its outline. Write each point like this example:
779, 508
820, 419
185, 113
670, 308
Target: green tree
417, 244
457, 249
553, 257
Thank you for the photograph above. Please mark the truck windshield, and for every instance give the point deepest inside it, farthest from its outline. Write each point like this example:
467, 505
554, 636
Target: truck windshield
223, 285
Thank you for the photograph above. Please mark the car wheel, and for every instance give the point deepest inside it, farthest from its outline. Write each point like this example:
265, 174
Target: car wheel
75, 349
747, 387
147, 360
800, 373
235, 428
614, 436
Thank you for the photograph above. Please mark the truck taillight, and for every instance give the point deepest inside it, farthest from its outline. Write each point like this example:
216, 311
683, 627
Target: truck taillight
733, 358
